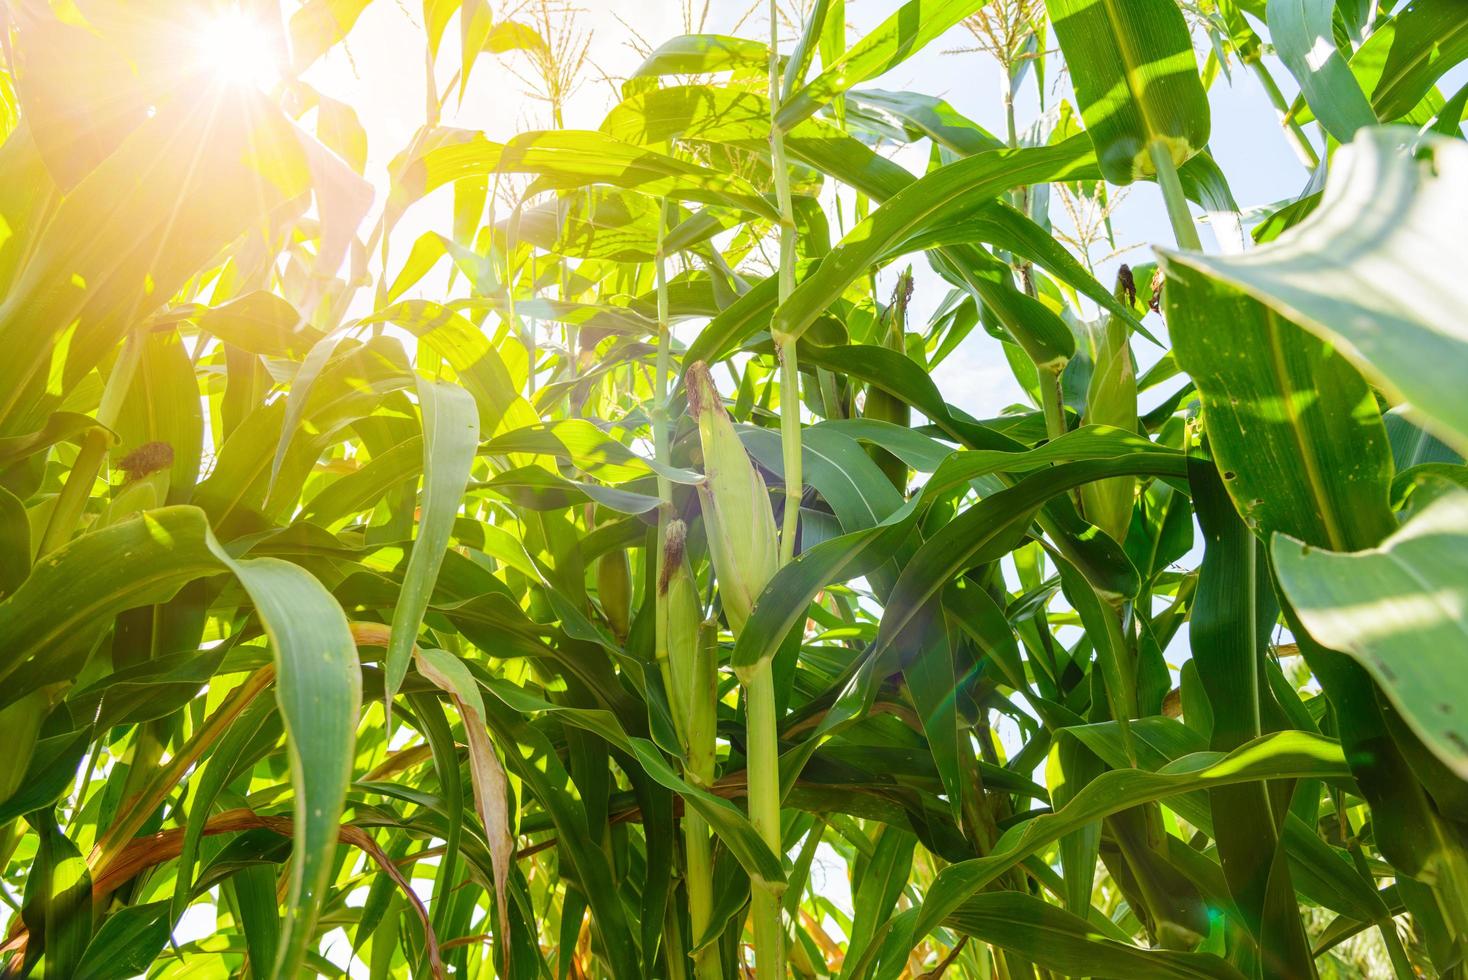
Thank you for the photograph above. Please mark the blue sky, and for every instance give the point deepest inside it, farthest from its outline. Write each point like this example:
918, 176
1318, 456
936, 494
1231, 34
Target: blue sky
377, 72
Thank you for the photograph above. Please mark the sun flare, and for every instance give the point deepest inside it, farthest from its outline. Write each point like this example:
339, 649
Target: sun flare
238, 49
734, 489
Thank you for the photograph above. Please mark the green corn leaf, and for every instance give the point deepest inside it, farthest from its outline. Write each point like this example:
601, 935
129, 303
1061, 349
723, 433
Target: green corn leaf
252, 725
886, 46
261, 323
835, 465
162, 406
925, 116
1301, 31
1425, 40
1068, 944
450, 440
319, 25
318, 688
565, 159
126, 943
1289, 755
1391, 307
722, 817
69, 600
488, 776
1136, 80
15, 543
480, 367
1228, 632
931, 678
58, 897
696, 54
861, 552
1321, 872
108, 245
1395, 609
920, 208
1298, 438
1294, 429
298, 397
990, 528
1404, 56
877, 890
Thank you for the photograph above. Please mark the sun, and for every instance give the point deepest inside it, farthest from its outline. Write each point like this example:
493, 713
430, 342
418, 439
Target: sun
238, 49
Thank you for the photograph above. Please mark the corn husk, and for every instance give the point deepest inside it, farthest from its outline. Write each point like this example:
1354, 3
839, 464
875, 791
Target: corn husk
736, 504
881, 404
678, 594
1111, 399
614, 591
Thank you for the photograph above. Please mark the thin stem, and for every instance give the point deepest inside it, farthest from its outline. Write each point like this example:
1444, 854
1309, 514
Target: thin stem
763, 775
700, 733
790, 446
702, 748
761, 714
662, 451
785, 345
1172, 195
1052, 405
1011, 131
1401, 966
1293, 132
660, 434
72, 501
1018, 196
1052, 401
532, 340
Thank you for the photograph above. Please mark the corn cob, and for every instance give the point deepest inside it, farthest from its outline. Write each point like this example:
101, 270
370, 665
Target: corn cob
736, 504
881, 404
679, 606
1111, 399
690, 678
614, 591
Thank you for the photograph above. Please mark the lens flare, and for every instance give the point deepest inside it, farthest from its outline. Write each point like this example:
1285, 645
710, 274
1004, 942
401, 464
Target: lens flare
239, 50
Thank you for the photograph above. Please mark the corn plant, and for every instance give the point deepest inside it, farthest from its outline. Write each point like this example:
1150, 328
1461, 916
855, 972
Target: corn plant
589, 618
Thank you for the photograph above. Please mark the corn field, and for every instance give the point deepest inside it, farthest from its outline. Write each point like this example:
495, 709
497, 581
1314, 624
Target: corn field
558, 557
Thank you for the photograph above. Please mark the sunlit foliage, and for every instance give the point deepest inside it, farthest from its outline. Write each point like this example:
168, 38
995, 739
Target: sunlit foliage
555, 558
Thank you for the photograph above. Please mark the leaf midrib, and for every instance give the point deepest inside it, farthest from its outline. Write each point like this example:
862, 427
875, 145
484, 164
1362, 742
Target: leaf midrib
1130, 64
1418, 57
1334, 533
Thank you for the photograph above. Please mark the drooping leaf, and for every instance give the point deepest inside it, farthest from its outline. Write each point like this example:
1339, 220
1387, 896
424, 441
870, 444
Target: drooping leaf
1283, 756
920, 208
490, 787
1364, 272
1398, 611
450, 439
319, 690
